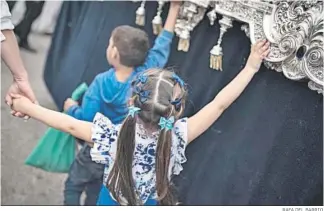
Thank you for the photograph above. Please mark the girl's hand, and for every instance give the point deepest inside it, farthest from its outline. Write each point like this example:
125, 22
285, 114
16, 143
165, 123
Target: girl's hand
20, 104
20, 86
259, 51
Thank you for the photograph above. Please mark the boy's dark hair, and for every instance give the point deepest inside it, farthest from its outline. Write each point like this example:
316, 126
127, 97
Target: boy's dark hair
132, 45
164, 89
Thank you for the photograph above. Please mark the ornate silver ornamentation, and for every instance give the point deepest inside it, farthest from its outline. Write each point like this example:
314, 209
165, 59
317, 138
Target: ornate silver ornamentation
246, 29
295, 30
191, 13
297, 50
212, 15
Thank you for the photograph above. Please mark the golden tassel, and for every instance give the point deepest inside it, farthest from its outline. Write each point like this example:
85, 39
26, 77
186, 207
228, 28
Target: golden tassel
184, 41
157, 25
184, 44
157, 20
216, 57
140, 15
216, 54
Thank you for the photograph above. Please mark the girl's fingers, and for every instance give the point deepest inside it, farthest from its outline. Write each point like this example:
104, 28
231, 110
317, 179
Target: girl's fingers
260, 44
14, 113
265, 54
265, 47
253, 46
18, 114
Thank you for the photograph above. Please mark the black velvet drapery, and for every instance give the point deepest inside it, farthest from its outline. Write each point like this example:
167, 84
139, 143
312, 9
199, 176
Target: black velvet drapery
267, 148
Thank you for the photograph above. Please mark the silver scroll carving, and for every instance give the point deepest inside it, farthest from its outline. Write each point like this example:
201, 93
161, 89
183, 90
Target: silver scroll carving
191, 13
295, 30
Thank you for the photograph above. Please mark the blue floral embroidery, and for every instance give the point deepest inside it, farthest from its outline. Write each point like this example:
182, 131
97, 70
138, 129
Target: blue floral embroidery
104, 136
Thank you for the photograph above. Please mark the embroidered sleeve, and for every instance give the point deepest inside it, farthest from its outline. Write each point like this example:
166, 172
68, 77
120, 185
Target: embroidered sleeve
5, 19
104, 137
180, 140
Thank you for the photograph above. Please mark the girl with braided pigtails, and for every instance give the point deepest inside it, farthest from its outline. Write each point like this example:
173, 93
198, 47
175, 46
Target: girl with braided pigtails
143, 153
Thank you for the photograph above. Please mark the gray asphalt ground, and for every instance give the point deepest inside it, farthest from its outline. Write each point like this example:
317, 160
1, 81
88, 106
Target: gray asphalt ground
21, 184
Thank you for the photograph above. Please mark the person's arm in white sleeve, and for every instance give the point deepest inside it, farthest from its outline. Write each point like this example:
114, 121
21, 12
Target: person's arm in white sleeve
11, 57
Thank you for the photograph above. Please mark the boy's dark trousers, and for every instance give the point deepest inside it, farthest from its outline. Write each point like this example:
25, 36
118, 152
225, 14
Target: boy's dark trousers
85, 175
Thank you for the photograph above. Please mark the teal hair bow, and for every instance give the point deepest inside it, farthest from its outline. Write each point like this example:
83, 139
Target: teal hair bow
166, 123
141, 79
132, 110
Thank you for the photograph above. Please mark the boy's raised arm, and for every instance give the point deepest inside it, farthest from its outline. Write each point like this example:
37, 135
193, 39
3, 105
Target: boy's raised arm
159, 54
172, 16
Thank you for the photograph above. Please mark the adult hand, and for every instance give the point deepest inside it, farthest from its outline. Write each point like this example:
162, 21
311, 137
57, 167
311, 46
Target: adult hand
21, 87
11, 57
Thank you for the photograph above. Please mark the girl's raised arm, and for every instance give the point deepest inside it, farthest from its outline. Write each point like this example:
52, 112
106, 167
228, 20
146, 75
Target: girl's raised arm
204, 118
57, 120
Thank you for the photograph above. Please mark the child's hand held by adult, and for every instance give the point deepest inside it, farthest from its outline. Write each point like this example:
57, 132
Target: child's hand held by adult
20, 104
259, 51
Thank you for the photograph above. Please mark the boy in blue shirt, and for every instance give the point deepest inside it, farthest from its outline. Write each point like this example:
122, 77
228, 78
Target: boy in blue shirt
128, 53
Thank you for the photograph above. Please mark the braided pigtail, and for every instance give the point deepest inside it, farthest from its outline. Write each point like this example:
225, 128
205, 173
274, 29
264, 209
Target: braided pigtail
120, 179
163, 186
170, 109
157, 103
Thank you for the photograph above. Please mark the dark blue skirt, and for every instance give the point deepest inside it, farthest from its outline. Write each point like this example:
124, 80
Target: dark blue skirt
105, 199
